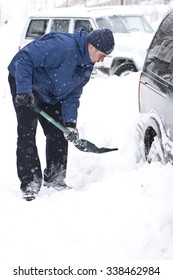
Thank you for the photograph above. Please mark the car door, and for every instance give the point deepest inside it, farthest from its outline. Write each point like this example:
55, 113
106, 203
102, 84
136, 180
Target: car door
156, 87
153, 87
166, 28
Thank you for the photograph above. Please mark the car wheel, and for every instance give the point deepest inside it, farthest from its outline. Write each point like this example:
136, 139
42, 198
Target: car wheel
153, 146
125, 69
149, 141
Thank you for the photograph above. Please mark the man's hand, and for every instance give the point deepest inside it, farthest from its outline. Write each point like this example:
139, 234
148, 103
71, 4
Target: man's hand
73, 134
24, 99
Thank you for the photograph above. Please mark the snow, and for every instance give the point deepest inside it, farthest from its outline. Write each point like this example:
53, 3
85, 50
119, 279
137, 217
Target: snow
119, 210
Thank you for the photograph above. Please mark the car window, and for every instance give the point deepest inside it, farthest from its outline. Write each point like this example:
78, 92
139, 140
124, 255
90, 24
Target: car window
36, 28
124, 24
85, 24
114, 23
159, 59
136, 23
60, 25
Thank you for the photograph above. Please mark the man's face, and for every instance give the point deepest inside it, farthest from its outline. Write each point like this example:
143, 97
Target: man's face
95, 55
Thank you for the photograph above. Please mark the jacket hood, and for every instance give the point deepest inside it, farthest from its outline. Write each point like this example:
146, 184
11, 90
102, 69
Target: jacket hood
81, 40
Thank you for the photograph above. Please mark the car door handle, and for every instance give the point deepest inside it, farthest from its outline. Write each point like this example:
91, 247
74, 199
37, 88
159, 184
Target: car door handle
160, 92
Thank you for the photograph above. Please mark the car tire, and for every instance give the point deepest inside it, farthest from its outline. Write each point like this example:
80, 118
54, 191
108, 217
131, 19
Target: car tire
155, 152
124, 69
149, 142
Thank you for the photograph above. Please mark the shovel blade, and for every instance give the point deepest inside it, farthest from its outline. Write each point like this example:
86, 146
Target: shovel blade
88, 147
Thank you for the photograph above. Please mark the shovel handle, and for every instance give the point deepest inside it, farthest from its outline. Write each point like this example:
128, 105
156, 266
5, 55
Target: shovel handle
50, 119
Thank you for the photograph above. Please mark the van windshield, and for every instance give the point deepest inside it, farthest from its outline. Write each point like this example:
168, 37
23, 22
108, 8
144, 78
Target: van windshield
124, 24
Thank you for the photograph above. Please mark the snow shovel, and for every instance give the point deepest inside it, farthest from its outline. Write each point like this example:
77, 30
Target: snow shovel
82, 144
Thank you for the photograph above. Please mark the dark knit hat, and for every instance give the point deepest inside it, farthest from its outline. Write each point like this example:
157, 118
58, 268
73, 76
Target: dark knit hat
102, 40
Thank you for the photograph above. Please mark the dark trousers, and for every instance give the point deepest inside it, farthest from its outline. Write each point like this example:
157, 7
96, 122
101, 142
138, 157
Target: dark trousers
28, 162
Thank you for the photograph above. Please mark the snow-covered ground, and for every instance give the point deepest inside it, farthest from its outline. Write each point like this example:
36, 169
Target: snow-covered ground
119, 211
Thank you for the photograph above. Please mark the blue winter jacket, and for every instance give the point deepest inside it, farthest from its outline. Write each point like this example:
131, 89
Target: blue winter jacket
55, 66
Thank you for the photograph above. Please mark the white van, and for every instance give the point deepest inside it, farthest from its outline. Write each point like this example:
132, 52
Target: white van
131, 30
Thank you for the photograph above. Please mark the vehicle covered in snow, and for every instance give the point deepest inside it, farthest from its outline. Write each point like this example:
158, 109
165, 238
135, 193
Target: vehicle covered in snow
132, 32
155, 127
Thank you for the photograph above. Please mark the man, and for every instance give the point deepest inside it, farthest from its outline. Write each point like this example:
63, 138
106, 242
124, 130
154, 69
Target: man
51, 71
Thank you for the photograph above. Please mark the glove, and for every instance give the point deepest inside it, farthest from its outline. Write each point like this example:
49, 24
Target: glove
24, 99
73, 134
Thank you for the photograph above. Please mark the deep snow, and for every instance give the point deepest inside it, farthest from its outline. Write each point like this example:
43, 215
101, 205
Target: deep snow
118, 211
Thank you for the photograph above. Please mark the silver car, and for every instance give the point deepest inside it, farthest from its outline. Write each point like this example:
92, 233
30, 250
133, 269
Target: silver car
155, 127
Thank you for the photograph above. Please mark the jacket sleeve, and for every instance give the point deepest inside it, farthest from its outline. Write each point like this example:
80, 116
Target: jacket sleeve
70, 107
23, 72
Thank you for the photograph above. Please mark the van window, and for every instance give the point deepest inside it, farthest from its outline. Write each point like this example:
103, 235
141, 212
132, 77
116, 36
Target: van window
37, 27
159, 59
113, 23
61, 25
124, 24
85, 24
136, 23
